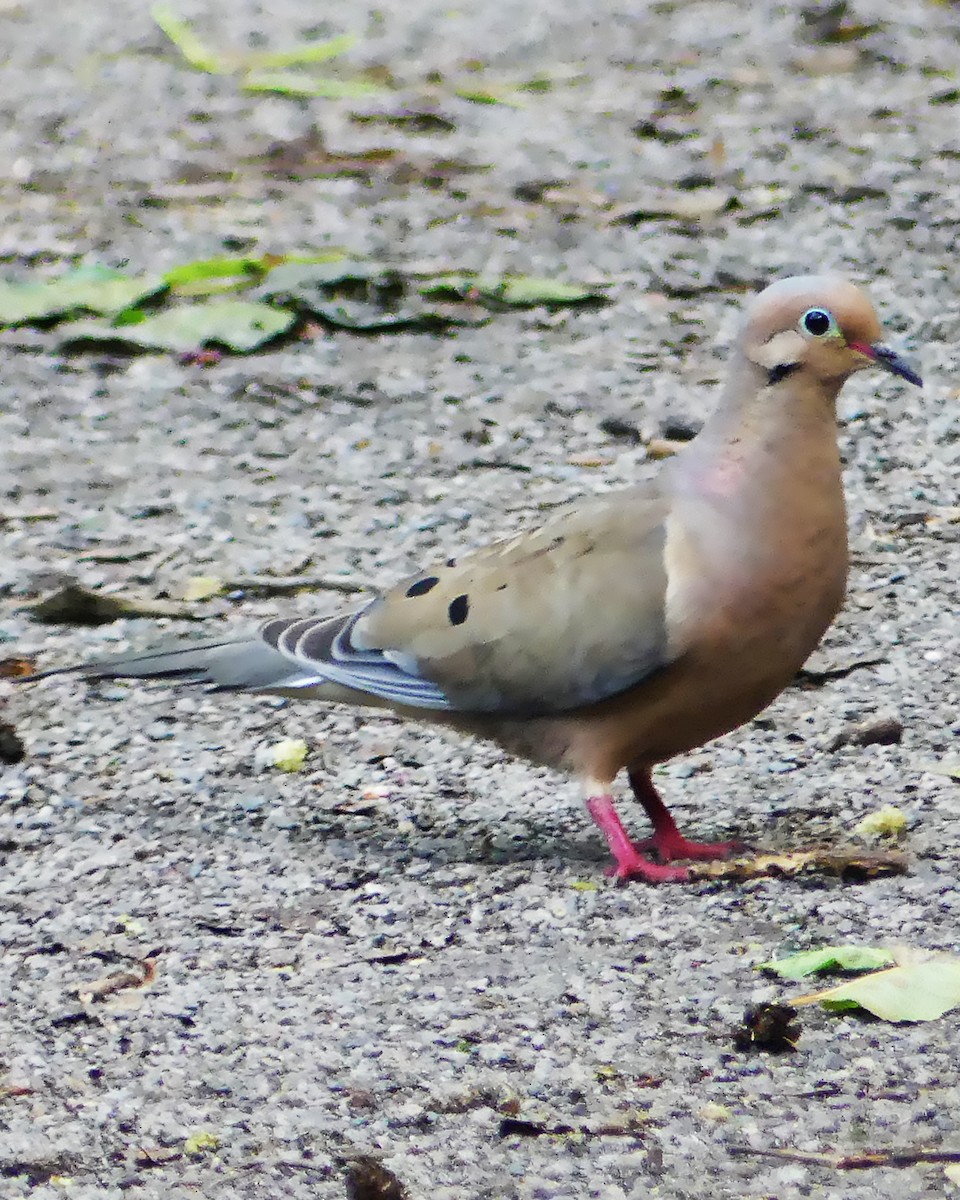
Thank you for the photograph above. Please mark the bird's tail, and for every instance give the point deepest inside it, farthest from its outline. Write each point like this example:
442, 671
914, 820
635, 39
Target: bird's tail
229, 664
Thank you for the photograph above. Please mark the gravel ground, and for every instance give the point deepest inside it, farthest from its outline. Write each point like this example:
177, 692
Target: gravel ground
410, 939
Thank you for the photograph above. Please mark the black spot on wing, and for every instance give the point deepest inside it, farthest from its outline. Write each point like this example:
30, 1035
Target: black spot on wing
422, 586
458, 609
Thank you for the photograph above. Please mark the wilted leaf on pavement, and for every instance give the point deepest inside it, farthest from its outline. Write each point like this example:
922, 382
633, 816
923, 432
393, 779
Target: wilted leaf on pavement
241, 325
88, 289
207, 276
520, 291
919, 990
75, 605
827, 958
850, 865
360, 295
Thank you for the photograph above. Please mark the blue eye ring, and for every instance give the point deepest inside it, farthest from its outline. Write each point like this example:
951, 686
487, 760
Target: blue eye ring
818, 323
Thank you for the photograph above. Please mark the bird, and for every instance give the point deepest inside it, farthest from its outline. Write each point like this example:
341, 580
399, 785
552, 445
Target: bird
632, 626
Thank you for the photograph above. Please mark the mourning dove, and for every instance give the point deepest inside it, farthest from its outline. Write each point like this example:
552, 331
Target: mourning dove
629, 628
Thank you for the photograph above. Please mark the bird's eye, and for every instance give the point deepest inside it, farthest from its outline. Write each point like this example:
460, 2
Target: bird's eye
817, 322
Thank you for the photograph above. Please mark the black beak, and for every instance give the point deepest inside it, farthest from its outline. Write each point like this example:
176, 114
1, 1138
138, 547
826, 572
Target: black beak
890, 360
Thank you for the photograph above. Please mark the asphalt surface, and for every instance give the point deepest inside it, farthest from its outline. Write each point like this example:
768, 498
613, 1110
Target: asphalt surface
411, 940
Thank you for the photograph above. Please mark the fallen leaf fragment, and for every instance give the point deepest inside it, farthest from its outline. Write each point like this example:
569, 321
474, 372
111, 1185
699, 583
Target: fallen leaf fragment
76, 605
658, 448
157, 1156
287, 755
888, 821
697, 205
200, 1143
88, 289
918, 991
201, 587
240, 325
851, 865
827, 958
16, 668
140, 975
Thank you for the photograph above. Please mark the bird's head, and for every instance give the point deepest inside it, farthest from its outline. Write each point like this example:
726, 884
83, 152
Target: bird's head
820, 326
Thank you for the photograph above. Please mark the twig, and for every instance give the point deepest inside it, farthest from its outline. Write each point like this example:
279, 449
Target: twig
851, 1162
281, 585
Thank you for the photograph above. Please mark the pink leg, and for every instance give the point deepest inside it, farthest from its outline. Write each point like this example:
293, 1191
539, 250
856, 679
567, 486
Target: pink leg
667, 841
630, 863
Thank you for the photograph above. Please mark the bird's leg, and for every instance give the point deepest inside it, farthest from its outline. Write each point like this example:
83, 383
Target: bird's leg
667, 841
629, 862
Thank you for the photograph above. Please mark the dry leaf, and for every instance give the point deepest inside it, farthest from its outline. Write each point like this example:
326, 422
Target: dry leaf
852, 865
76, 605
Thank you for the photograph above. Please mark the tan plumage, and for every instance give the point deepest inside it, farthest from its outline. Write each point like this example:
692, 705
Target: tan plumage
634, 626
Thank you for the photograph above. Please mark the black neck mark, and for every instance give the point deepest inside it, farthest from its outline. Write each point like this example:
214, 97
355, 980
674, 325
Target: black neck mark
781, 371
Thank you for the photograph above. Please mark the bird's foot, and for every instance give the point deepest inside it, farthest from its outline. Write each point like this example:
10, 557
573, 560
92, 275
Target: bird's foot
635, 866
629, 863
669, 846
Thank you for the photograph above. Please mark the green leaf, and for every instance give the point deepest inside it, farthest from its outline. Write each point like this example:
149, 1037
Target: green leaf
310, 52
240, 325
302, 280
526, 290
209, 276
181, 33
515, 291
296, 83
90, 289
920, 991
846, 958
485, 96
362, 296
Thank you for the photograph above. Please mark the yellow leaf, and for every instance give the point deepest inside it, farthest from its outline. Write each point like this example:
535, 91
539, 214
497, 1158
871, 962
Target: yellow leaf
200, 1142
885, 822
202, 587
289, 755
